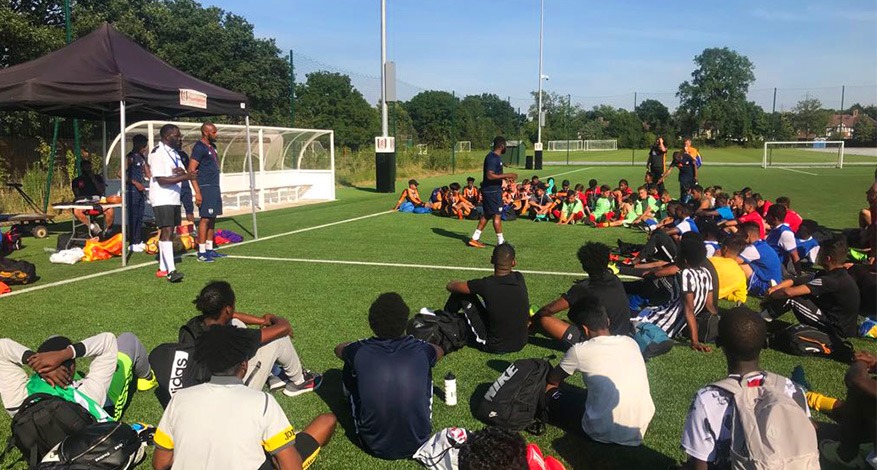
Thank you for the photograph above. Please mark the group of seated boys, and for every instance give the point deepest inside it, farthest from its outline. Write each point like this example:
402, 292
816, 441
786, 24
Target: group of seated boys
707, 248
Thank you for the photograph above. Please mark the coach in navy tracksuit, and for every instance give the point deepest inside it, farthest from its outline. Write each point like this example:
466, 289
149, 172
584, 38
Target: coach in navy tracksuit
137, 175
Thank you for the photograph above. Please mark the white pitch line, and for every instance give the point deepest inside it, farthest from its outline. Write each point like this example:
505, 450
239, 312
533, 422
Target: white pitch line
406, 265
77, 279
152, 263
797, 171
571, 171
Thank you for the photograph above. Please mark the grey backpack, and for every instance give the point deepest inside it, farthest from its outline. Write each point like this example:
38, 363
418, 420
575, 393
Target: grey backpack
770, 430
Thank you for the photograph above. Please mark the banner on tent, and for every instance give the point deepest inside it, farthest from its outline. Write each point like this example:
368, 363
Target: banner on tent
193, 98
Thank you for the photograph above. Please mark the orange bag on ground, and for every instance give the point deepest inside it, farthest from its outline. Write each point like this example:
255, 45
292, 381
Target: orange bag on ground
97, 250
4, 289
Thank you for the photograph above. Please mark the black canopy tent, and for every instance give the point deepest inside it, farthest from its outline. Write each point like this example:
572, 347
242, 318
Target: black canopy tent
106, 73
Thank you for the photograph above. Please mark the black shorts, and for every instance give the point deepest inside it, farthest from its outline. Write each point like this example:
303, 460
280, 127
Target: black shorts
167, 216
211, 202
573, 335
306, 446
492, 203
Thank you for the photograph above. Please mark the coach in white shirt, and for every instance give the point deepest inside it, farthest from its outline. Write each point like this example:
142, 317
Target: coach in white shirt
618, 406
168, 172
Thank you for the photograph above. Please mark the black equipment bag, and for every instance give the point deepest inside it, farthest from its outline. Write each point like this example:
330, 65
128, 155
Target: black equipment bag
516, 400
448, 331
42, 422
175, 369
101, 446
802, 340
16, 272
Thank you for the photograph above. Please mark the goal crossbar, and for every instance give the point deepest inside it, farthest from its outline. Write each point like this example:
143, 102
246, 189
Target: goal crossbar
817, 146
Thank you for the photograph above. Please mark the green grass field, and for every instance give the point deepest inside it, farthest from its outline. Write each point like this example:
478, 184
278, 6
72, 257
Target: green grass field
732, 155
312, 279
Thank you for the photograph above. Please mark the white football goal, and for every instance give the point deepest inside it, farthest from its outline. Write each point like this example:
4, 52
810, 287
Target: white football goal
564, 145
803, 154
463, 146
597, 145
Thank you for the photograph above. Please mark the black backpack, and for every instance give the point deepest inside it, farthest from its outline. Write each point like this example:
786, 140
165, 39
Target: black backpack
16, 272
802, 340
516, 400
175, 369
41, 423
446, 330
101, 446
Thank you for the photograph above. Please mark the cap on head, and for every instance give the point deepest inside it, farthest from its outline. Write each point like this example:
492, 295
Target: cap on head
413, 181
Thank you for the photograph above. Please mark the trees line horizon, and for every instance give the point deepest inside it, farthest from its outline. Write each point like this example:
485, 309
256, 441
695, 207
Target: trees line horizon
220, 47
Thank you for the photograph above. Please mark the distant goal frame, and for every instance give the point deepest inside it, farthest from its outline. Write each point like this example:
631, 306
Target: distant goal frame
839, 163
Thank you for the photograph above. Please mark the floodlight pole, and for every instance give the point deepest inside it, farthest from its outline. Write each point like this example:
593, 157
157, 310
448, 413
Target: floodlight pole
538, 152
384, 127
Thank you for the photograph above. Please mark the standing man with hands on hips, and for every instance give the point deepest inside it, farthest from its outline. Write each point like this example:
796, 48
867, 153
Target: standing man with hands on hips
491, 193
164, 195
208, 198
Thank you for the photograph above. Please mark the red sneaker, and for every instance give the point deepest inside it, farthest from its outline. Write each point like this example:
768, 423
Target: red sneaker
160, 274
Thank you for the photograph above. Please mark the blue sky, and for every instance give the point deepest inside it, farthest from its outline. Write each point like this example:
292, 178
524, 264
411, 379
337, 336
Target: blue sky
596, 51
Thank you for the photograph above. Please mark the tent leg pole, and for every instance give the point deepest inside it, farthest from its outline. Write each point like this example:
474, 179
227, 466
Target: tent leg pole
51, 169
123, 185
252, 179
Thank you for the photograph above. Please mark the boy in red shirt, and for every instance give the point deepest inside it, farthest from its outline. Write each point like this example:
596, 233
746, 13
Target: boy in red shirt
750, 214
792, 218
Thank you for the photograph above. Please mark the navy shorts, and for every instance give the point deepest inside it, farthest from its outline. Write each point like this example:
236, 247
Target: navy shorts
186, 198
211, 202
491, 203
166, 216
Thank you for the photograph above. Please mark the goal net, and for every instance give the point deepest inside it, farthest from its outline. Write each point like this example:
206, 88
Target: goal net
463, 146
564, 145
596, 145
803, 154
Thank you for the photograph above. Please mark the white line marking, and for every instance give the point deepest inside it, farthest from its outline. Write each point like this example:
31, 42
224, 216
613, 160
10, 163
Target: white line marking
796, 171
152, 263
405, 265
307, 229
77, 279
571, 171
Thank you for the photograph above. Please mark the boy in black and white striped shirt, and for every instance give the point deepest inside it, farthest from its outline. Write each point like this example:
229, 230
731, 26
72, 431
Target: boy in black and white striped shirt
692, 294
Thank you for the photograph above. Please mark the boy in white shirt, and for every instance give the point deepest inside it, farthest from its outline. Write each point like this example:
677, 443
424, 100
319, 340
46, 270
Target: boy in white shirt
617, 407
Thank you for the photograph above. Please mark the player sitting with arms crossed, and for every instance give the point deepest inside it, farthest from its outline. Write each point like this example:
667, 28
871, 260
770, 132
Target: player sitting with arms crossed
224, 424
410, 196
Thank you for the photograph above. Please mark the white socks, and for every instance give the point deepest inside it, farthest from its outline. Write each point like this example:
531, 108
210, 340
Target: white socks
166, 256
202, 248
476, 235
209, 244
499, 239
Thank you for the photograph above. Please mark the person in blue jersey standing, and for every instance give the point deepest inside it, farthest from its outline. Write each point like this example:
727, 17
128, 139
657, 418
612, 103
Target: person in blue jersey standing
491, 193
208, 197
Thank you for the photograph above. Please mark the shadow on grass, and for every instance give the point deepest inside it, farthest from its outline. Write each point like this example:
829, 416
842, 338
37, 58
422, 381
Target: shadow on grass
234, 220
581, 452
498, 365
366, 189
448, 234
332, 394
547, 343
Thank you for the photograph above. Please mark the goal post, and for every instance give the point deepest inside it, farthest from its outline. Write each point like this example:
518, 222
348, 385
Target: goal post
564, 145
803, 154
463, 146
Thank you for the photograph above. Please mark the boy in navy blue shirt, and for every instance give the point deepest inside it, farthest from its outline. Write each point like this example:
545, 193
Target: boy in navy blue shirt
491, 193
205, 160
388, 379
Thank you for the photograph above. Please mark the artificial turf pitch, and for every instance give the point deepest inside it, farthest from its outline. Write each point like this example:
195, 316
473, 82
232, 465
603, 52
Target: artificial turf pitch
327, 301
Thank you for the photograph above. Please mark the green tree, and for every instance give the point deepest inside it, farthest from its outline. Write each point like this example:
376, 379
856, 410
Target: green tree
864, 133
328, 101
716, 94
655, 117
431, 113
809, 118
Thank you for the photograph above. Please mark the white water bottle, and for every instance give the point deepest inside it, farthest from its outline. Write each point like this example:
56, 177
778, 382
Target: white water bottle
450, 389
